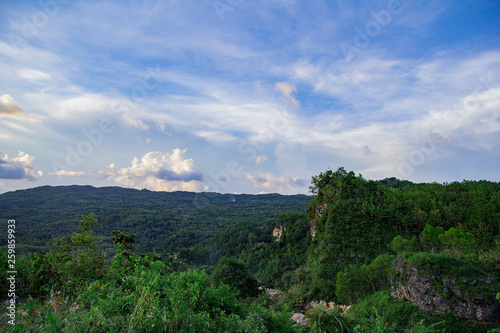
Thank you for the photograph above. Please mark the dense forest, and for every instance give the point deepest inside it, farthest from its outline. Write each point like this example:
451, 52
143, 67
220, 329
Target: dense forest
404, 257
161, 220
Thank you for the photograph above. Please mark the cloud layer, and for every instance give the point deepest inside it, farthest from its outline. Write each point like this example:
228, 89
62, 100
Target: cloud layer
265, 85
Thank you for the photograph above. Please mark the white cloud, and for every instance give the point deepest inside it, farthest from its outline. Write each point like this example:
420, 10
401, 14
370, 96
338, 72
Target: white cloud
68, 173
159, 172
19, 167
80, 105
471, 123
9, 108
268, 180
135, 123
229, 83
260, 159
287, 89
33, 74
160, 125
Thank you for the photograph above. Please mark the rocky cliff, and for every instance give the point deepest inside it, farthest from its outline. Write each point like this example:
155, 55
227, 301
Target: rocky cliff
318, 214
469, 297
278, 231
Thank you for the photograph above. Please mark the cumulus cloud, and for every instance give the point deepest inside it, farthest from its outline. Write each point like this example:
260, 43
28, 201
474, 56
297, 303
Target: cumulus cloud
287, 90
19, 167
68, 173
159, 172
8, 108
268, 180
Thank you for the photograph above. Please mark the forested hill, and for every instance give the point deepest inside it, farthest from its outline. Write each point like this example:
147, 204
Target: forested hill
162, 220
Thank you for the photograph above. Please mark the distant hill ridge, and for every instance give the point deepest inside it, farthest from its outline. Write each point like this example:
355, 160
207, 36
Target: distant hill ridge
162, 220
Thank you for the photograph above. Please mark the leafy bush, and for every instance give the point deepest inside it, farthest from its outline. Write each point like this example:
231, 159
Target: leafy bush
402, 245
398, 315
458, 243
490, 259
329, 321
148, 299
355, 283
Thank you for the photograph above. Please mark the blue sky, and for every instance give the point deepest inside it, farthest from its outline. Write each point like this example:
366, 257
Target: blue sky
239, 96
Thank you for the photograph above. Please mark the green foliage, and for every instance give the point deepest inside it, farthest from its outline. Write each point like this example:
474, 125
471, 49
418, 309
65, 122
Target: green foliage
354, 220
430, 237
402, 245
87, 263
147, 298
236, 238
355, 283
394, 314
67, 268
491, 258
141, 296
162, 220
458, 243
123, 241
375, 324
271, 261
148, 286
329, 321
233, 273
472, 278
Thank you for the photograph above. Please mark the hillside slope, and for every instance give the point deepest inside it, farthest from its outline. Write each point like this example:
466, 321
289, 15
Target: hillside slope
162, 220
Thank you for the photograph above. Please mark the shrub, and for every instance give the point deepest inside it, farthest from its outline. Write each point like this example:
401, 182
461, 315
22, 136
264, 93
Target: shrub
330, 320
404, 316
355, 283
458, 243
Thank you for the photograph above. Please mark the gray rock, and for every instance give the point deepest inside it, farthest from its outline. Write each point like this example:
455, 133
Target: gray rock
441, 294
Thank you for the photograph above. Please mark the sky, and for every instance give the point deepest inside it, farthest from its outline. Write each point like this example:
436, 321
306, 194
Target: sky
240, 96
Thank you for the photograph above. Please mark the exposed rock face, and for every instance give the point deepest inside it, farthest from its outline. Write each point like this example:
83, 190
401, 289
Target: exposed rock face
443, 295
277, 232
318, 214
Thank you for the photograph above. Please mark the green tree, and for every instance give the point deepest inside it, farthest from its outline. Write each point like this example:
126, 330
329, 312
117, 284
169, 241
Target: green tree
124, 242
458, 243
234, 273
87, 260
402, 245
430, 237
